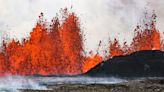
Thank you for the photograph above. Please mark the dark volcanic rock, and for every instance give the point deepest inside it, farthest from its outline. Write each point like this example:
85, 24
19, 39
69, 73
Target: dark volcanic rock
149, 63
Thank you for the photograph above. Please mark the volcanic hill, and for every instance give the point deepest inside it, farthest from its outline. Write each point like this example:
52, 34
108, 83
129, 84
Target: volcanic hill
146, 63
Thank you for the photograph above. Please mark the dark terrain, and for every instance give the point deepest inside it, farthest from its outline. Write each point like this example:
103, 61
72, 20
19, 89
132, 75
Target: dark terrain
148, 63
130, 86
133, 67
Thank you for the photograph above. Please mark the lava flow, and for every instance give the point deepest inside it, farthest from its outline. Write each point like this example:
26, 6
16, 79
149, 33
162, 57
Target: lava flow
56, 47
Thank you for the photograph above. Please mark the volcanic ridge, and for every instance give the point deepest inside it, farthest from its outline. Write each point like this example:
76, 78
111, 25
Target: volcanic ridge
146, 63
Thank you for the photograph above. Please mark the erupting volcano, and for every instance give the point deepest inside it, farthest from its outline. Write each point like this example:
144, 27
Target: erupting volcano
56, 47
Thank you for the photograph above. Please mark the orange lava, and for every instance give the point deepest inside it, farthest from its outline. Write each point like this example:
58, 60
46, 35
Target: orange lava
144, 39
53, 49
56, 48
91, 61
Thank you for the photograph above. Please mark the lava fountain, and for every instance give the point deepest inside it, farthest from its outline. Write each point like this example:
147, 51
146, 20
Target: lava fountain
52, 48
146, 37
56, 47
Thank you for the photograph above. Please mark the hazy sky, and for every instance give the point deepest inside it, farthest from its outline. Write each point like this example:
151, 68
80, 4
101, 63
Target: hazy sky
100, 19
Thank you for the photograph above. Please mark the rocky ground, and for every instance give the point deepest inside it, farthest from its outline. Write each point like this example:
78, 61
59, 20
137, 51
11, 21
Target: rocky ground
130, 86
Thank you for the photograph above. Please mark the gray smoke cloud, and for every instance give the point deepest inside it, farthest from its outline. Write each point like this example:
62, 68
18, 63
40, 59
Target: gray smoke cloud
100, 19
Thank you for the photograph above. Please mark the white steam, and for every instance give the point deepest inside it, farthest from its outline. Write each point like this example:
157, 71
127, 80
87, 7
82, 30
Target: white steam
79, 80
17, 83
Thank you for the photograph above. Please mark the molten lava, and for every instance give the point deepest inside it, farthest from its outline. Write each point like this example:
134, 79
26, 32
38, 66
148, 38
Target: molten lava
144, 39
91, 61
56, 48
53, 49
